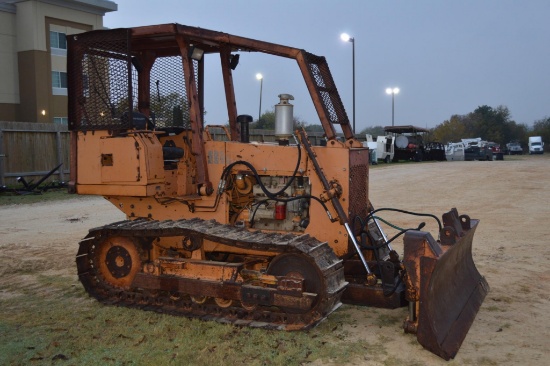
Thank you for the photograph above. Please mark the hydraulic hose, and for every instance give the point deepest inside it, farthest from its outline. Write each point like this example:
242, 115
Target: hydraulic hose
257, 176
371, 214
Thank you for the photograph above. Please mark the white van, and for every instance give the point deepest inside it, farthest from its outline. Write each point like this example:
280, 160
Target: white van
454, 151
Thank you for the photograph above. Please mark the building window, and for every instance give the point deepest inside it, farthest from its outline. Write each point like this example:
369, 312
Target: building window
58, 40
59, 83
61, 120
59, 79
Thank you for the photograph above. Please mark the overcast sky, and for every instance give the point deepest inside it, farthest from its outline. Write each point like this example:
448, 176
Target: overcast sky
447, 57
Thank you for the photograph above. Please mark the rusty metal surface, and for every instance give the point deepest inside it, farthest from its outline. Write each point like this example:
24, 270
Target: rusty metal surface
450, 289
364, 295
325, 94
114, 62
382, 295
278, 307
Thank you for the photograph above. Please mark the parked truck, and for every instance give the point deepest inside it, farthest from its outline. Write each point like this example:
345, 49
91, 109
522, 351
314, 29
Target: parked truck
514, 148
477, 149
536, 146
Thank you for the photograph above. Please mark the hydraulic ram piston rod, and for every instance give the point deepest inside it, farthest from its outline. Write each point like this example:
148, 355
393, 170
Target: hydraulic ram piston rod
357, 248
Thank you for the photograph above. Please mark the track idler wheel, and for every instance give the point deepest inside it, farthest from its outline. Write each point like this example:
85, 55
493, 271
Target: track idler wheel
118, 261
301, 268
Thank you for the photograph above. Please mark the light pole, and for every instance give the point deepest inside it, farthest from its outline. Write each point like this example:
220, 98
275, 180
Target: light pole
392, 91
261, 78
347, 38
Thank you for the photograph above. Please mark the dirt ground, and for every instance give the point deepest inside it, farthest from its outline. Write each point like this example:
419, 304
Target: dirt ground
511, 249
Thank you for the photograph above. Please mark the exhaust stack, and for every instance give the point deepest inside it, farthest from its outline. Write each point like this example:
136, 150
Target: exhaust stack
284, 117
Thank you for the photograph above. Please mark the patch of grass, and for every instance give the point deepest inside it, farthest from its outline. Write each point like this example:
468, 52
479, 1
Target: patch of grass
384, 320
58, 321
378, 349
10, 198
504, 299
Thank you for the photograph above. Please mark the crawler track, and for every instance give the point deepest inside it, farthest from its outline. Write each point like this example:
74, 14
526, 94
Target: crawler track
178, 302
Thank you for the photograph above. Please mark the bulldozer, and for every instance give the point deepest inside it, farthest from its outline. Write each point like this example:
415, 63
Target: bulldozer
268, 234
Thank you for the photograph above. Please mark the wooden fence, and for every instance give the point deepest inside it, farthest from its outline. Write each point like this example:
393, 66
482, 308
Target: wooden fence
31, 150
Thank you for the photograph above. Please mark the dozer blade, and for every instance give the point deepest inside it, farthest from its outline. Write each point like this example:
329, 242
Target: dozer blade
451, 290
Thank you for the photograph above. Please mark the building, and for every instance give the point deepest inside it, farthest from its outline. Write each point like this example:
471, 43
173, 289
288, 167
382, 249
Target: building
33, 54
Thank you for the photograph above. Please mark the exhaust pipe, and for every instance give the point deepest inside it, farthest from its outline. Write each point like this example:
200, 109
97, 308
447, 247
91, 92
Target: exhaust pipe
244, 120
284, 117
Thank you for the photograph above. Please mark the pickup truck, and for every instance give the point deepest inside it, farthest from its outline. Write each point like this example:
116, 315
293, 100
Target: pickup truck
495, 148
514, 148
477, 150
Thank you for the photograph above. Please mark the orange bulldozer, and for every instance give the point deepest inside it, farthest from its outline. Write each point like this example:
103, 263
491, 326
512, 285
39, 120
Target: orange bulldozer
229, 226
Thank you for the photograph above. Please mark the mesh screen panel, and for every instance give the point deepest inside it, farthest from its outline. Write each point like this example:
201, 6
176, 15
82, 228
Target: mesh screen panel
326, 88
100, 80
103, 84
358, 188
169, 100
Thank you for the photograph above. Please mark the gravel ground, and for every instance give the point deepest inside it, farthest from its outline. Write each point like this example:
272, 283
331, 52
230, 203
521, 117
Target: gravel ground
510, 197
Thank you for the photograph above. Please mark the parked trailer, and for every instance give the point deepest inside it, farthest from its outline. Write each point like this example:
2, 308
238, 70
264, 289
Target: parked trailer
408, 142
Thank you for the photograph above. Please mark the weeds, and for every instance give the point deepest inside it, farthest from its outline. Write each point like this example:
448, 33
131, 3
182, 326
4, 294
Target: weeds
61, 323
9, 198
389, 319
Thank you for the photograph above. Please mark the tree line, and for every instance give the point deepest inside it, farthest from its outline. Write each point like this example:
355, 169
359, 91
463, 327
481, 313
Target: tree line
491, 124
